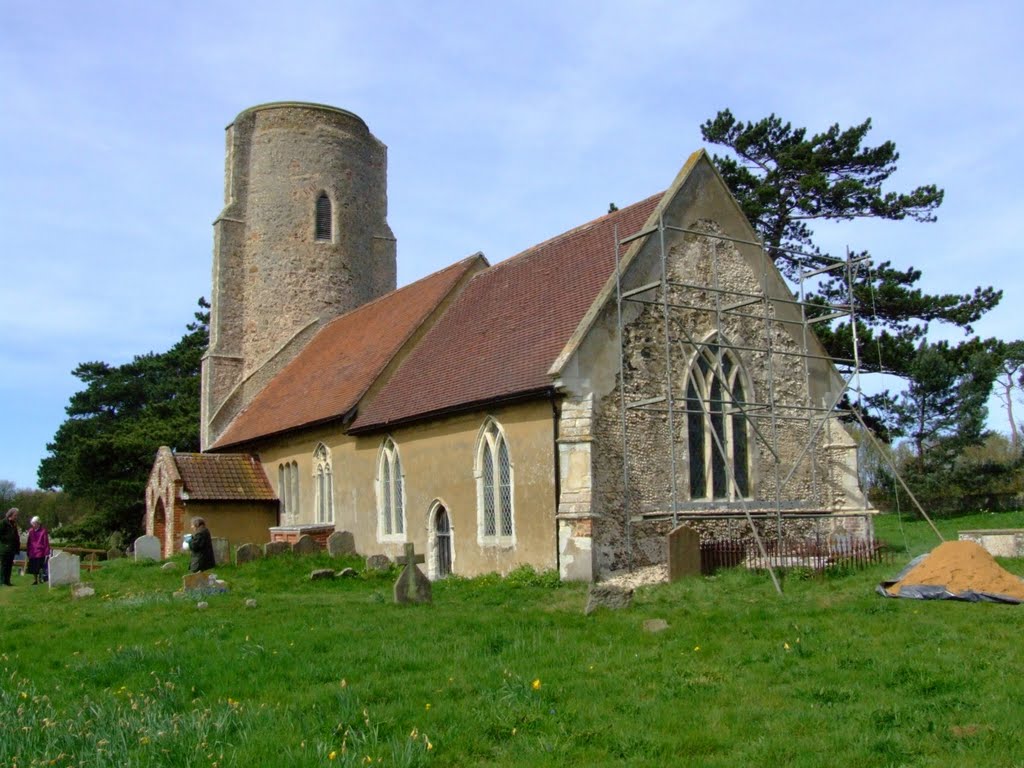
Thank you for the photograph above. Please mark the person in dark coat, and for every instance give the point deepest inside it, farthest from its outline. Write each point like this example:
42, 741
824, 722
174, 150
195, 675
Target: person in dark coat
10, 545
201, 545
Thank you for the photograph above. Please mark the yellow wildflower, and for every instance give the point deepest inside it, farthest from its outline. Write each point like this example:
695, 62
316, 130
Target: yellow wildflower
785, 646
332, 755
535, 684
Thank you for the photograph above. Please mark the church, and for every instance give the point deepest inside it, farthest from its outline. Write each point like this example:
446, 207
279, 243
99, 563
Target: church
563, 408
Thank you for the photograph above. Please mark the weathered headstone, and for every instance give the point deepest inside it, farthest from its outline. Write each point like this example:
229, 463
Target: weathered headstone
320, 574
655, 625
341, 543
306, 545
78, 591
272, 548
378, 563
64, 569
147, 548
114, 553
412, 586
221, 551
683, 553
608, 596
202, 583
247, 553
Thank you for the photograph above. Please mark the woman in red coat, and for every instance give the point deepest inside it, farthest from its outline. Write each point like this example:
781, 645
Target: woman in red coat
38, 549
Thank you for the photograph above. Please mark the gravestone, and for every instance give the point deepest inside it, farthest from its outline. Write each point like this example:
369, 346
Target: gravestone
64, 569
147, 548
607, 596
341, 543
247, 553
80, 590
378, 563
412, 586
221, 551
655, 625
202, 583
306, 545
683, 553
272, 548
114, 553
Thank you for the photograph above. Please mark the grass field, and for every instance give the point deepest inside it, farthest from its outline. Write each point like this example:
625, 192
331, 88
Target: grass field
510, 672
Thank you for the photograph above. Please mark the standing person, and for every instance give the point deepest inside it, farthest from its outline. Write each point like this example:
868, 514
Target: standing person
38, 549
201, 545
10, 545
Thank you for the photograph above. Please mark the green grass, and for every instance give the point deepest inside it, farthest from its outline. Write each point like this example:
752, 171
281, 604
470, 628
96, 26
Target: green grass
509, 672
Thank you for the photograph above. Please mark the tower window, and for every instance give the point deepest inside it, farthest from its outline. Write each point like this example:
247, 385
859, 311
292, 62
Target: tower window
323, 217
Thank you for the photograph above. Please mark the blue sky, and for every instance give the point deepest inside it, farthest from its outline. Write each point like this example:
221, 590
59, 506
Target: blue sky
506, 124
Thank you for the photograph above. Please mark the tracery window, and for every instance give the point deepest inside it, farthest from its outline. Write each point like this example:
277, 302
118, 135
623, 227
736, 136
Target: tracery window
288, 491
323, 482
494, 486
390, 492
717, 429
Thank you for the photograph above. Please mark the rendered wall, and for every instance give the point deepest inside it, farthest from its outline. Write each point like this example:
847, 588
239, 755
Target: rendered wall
438, 463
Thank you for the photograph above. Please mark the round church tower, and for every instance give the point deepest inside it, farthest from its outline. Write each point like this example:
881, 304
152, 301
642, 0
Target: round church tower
303, 238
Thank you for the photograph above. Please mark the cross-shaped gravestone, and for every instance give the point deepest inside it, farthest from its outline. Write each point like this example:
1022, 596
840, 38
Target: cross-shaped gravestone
412, 586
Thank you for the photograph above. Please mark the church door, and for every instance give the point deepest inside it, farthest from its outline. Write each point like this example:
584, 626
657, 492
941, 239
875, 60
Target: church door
443, 542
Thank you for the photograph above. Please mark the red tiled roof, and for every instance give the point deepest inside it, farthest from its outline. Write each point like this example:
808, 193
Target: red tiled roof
327, 378
223, 477
507, 326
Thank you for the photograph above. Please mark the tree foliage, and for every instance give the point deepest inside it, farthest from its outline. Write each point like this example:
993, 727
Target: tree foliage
785, 179
103, 452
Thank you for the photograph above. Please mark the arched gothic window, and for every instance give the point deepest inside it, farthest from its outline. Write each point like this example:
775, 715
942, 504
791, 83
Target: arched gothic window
288, 491
323, 482
390, 493
324, 220
494, 486
715, 392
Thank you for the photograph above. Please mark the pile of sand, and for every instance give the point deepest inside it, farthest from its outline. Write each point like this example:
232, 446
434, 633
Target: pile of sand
961, 566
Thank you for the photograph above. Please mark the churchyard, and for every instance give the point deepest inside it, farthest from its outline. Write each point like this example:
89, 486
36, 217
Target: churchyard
285, 670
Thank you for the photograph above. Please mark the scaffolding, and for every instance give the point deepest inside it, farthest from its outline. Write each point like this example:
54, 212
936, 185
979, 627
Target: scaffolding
724, 311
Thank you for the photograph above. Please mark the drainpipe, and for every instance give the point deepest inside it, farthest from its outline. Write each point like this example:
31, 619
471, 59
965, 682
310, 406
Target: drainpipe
558, 475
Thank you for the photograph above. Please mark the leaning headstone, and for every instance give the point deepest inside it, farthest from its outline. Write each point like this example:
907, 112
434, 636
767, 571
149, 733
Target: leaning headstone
221, 551
683, 553
64, 569
321, 574
378, 563
607, 596
114, 553
412, 586
247, 553
147, 548
272, 548
341, 543
306, 545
